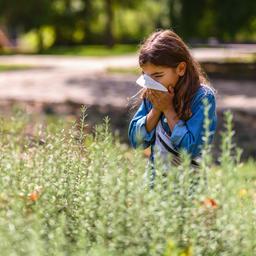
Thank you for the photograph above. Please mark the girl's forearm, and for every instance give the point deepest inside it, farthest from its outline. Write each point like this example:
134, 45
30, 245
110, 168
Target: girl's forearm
152, 119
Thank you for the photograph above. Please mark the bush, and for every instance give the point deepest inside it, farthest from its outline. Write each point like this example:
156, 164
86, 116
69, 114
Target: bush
76, 194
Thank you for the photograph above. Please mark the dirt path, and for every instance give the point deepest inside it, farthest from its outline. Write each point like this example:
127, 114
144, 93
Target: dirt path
82, 79
60, 85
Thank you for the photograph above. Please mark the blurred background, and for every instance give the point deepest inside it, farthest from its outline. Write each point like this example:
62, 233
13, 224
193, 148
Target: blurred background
57, 55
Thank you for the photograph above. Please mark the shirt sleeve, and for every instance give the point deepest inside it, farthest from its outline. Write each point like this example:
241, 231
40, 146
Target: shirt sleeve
189, 134
137, 133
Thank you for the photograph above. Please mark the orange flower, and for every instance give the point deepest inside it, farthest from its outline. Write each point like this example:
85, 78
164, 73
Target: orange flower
210, 203
34, 196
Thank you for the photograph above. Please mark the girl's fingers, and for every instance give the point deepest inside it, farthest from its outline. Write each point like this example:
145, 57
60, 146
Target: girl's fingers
158, 94
155, 93
155, 100
148, 94
151, 95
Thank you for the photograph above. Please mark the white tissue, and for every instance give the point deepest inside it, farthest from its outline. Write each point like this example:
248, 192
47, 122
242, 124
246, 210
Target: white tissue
147, 82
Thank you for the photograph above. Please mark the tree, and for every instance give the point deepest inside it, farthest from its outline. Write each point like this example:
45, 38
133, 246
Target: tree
111, 6
233, 16
188, 17
24, 15
87, 14
206, 18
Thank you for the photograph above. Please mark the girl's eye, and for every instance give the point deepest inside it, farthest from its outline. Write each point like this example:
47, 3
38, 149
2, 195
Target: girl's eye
158, 76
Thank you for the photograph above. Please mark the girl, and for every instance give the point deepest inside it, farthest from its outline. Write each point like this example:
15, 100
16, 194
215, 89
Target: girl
173, 120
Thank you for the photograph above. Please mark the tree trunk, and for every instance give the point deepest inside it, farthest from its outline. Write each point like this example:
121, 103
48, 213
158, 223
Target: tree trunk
40, 42
88, 13
173, 15
109, 37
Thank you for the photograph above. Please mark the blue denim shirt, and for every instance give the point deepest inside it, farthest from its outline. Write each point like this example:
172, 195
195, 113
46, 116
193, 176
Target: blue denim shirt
186, 135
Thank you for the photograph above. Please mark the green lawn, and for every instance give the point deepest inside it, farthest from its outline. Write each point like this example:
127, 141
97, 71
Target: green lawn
4, 68
133, 71
84, 50
93, 50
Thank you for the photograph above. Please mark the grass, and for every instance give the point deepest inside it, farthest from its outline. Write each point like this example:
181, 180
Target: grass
93, 50
64, 192
85, 50
247, 59
130, 70
4, 68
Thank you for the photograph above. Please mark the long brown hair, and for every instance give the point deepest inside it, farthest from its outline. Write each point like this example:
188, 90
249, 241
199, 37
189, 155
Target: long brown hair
166, 48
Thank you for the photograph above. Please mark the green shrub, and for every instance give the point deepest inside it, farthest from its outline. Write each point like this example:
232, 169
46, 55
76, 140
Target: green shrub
72, 193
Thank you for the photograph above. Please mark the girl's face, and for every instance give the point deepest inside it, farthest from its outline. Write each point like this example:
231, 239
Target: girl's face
167, 76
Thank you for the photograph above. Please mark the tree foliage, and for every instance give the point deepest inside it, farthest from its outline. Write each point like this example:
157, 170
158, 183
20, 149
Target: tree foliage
111, 21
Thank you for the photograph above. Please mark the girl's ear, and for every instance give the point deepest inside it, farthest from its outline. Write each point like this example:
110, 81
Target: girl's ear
181, 68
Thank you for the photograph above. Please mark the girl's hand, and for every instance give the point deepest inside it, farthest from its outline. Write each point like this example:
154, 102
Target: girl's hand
162, 101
